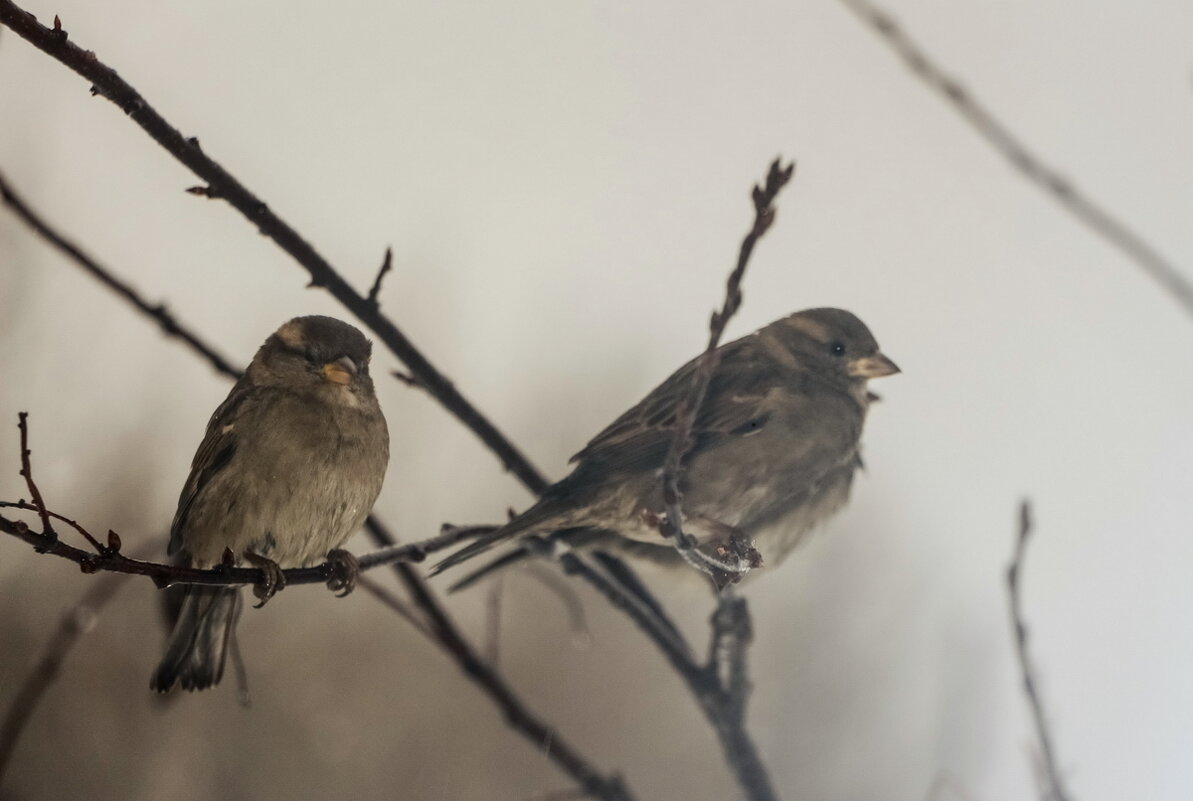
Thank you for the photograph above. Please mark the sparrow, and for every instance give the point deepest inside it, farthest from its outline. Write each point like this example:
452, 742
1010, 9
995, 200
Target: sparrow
290, 466
774, 451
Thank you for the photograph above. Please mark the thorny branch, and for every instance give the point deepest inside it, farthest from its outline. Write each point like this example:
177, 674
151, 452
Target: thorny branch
1055, 789
1095, 217
222, 185
437, 625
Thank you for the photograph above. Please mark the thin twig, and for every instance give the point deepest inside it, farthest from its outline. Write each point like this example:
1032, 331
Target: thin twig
221, 184
169, 325
109, 559
1055, 790
706, 364
1095, 217
492, 650
75, 622
27, 473
386, 265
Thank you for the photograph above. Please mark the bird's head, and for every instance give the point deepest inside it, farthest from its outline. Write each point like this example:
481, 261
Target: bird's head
834, 343
315, 352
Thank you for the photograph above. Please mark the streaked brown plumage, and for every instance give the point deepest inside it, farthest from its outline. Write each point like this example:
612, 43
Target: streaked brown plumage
291, 464
774, 453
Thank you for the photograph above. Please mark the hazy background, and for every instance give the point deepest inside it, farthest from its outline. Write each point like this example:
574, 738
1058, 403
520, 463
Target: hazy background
565, 186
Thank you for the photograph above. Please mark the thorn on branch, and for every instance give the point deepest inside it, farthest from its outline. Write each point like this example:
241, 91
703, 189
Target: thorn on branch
386, 266
208, 192
408, 379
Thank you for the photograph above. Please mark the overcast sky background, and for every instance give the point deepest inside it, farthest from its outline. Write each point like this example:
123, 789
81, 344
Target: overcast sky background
565, 186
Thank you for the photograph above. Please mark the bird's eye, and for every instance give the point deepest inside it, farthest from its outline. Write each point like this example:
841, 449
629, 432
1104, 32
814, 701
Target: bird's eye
837, 349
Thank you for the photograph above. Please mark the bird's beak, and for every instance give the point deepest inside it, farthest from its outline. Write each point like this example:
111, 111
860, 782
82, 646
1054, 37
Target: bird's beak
875, 366
341, 371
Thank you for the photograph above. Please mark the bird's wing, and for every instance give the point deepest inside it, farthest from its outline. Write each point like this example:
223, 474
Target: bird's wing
213, 455
639, 439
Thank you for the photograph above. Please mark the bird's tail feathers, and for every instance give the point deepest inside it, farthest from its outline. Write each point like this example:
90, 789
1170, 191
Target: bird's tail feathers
198, 645
538, 517
487, 569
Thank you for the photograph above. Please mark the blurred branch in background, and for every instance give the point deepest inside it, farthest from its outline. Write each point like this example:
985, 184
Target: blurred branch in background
222, 185
75, 622
158, 311
1095, 217
1053, 788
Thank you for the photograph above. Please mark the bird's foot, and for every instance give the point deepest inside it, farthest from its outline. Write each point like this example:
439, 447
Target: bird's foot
344, 569
737, 552
273, 581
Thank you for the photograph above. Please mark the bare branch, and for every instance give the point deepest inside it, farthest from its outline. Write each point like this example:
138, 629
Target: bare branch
221, 184
27, 473
1054, 786
157, 311
706, 364
723, 704
1096, 218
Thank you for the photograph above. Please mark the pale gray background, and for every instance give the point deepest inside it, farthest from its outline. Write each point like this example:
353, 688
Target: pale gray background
564, 186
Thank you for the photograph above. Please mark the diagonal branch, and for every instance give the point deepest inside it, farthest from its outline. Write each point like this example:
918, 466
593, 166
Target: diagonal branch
158, 311
223, 185
1095, 217
485, 675
76, 622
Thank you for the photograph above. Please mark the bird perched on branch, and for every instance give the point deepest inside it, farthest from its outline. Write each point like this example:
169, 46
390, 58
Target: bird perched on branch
291, 464
774, 449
